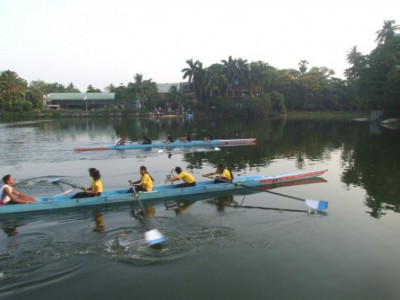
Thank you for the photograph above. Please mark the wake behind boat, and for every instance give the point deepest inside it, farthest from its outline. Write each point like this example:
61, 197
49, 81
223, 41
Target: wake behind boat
166, 192
176, 144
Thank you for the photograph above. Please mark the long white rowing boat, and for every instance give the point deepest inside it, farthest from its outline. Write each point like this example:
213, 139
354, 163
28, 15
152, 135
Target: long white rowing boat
167, 192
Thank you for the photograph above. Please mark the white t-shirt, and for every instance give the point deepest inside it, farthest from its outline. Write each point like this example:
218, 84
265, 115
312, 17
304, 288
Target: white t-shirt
4, 198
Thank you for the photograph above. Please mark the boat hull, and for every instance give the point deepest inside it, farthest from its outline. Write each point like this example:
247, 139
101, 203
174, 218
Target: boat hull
163, 192
176, 144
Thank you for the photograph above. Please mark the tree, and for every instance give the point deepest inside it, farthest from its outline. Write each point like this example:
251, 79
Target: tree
303, 66
91, 89
387, 32
374, 78
71, 89
12, 90
144, 91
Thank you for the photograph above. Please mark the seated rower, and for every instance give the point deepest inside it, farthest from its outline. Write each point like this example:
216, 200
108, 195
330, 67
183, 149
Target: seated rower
222, 174
121, 141
188, 179
144, 184
96, 186
169, 139
208, 137
186, 138
146, 140
9, 195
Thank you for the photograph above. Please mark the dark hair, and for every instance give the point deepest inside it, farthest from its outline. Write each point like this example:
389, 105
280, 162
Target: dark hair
92, 171
96, 174
6, 178
145, 169
178, 170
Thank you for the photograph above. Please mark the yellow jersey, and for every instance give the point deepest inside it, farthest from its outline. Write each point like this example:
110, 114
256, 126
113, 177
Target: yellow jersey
96, 185
146, 182
186, 177
226, 174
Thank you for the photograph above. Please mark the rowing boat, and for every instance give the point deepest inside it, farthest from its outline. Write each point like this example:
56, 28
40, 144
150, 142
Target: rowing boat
176, 144
164, 192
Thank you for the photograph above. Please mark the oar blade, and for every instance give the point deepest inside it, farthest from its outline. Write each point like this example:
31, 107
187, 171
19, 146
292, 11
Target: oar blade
154, 237
55, 180
317, 204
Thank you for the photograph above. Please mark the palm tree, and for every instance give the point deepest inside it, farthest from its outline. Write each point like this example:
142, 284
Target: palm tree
303, 66
191, 70
387, 32
231, 72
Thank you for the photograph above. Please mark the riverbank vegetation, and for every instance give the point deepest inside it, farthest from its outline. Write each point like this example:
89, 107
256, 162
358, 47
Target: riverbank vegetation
236, 86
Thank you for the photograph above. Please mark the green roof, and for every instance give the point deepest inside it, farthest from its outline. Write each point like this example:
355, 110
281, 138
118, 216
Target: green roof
81, 96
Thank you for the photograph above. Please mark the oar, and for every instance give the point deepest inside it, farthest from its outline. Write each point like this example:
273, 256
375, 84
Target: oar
65, 192
58, 180
314, 204
153, 237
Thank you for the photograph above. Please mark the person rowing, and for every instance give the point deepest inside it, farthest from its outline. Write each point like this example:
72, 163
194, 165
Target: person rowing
209, 137
9, 195
121, 141
186, 138
146, 140
169, 139
144, 184
187, 178
222, 174
96, 186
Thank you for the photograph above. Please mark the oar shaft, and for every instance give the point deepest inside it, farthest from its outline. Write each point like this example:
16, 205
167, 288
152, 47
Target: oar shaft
315, 204
279, 194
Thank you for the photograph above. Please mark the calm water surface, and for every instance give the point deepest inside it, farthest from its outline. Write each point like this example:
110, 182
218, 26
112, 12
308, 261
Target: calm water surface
270, 247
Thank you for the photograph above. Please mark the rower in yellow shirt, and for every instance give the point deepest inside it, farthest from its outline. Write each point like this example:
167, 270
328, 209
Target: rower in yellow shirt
187, 178
222, 173
144, 184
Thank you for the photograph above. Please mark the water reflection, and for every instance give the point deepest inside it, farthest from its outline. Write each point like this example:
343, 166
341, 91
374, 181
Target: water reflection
368, 152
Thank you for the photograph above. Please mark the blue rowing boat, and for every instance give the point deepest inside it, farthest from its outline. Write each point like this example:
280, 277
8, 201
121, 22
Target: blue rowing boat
167, 192
176, 144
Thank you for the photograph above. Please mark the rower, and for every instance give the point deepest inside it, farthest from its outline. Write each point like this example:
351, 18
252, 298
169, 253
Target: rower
188, 178
9, 195
223, 174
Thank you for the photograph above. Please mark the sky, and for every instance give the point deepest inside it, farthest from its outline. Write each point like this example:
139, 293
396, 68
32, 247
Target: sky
103, 42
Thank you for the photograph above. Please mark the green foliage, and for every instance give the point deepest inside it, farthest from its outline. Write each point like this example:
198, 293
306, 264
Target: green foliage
374, 78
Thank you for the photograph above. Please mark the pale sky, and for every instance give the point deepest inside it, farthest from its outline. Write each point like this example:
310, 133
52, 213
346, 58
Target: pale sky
100, 42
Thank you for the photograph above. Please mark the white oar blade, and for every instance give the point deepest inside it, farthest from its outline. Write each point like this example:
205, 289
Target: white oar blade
317, 204
54, 180
154, 237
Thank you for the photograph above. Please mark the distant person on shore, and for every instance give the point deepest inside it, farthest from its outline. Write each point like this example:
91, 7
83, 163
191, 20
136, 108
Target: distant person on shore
222, 174
9, 195
96, 186
144, 184
187, 178
121, 141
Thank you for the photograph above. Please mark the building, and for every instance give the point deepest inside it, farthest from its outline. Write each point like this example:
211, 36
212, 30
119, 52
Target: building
79, 100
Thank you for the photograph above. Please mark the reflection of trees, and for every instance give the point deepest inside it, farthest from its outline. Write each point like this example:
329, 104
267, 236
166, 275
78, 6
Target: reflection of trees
372, 163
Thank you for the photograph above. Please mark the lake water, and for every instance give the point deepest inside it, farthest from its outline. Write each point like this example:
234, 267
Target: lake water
270, 248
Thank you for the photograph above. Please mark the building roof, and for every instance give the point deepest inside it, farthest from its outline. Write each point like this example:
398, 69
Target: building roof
81, 96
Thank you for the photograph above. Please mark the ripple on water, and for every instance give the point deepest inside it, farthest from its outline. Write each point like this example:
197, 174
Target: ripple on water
128, 244
33, 259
